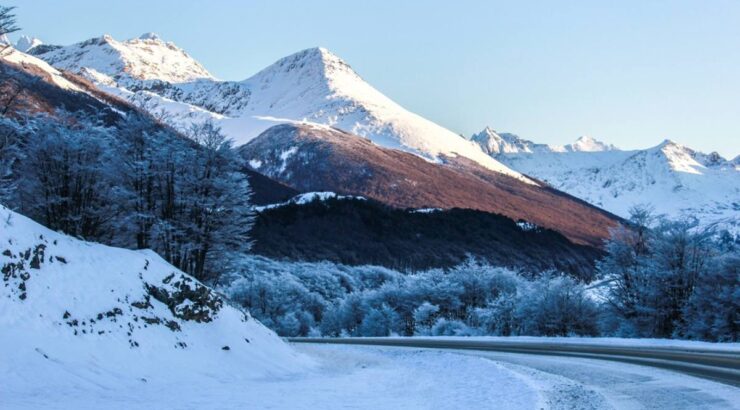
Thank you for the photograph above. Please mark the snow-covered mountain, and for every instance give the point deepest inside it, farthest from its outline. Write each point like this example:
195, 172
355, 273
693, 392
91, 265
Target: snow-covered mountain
586, 144
26, 43
675, 180
312, 85
494, 143
76, 313
144, 58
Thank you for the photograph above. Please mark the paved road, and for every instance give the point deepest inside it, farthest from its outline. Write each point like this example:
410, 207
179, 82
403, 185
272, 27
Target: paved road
723, 367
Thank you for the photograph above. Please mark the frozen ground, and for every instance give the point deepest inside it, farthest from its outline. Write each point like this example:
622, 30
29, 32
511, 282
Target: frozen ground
344, 378
369, 377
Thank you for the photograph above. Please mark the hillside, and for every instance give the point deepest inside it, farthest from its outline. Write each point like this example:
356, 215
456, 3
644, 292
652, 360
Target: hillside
354, 231
318, 158
82, 314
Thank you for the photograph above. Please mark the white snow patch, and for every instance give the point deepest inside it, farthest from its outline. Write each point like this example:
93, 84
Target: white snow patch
309, 197
14, 56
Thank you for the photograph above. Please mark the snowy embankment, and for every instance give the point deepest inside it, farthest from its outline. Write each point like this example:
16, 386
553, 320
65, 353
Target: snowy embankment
79, 317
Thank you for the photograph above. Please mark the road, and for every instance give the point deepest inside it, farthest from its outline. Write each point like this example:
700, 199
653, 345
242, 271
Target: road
600, 376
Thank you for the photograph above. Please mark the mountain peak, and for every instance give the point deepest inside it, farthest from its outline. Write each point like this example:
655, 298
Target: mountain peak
494, 143
587, 143
316, 60
150, 36
26, 43
144, 58
668, 143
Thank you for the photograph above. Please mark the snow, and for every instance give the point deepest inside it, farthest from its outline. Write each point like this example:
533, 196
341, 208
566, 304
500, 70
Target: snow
311, 86
14, 56
26, 43
426, 210
494, 143
588, 144
580, 383
526, 226
675, 180
145, 58
344, 377
86, 319
307, 198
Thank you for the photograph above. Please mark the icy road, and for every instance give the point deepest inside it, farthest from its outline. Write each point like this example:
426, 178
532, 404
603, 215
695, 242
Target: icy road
571, 376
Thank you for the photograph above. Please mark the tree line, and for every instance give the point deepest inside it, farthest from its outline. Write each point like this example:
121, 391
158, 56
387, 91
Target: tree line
133, 184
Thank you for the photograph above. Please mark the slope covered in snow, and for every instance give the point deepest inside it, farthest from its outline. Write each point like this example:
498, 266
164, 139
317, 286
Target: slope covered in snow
675, 180
144, 58
37, 65
312, 85
82, 315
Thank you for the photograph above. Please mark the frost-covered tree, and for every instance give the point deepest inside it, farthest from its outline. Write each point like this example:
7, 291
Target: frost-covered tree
382, 321
713, 309
11, 154
217, 204
653, 271
424, 317
66, 184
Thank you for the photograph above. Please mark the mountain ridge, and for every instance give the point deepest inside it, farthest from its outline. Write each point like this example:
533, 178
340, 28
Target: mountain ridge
312, 85
674, 179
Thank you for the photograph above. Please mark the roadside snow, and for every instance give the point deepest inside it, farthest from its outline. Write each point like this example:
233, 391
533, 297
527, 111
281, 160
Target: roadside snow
346, 377
580, 383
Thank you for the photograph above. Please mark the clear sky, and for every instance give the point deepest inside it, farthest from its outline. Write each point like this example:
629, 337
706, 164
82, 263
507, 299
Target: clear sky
629, 72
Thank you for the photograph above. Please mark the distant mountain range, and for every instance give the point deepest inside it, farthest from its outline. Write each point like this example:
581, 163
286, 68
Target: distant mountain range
673, 179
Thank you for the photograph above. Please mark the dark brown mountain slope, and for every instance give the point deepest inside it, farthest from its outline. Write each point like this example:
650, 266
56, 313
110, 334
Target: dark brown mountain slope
317, 158
361, 232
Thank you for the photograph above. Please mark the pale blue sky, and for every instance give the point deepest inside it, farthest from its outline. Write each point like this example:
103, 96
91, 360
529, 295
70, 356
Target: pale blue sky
628, 72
